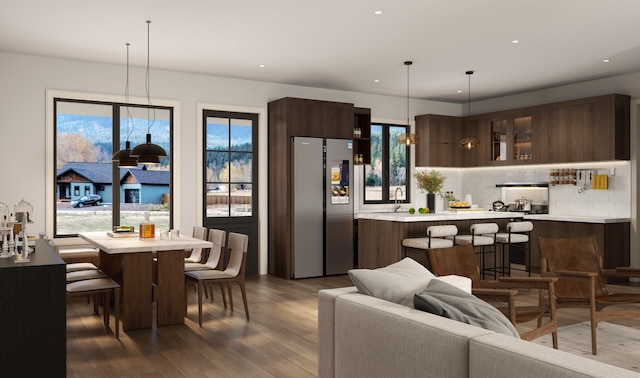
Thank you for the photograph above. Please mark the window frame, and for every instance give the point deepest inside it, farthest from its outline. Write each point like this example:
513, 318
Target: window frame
386, 198
50, 147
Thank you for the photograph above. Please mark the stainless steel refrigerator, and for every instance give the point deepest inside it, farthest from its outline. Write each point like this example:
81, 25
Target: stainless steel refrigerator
322, 202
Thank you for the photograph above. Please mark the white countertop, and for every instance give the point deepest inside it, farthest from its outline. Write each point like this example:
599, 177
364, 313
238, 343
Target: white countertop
134, 244
404, 216
576, 218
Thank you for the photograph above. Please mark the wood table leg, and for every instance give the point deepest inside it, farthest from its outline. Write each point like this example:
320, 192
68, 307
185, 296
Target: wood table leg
171, 306
133, 271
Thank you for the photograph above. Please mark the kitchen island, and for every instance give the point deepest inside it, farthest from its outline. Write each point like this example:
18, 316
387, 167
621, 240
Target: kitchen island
380, 234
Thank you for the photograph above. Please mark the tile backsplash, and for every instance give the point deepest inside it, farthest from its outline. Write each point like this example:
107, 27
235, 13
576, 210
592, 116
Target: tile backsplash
563, 199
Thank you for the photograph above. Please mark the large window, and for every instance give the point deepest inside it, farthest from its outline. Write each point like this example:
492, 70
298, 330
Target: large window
386, 179
91, 192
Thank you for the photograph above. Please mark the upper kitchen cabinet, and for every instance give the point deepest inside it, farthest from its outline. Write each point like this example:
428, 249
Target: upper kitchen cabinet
313, 118
511, 139
606, 125
362, 135
590, 129
439, 137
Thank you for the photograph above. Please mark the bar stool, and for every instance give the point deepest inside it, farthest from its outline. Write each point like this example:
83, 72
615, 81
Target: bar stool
436, 238
483, 235
103, 286
518, 234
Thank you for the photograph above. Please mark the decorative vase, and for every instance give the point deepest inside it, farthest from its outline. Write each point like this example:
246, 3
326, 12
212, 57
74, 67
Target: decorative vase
431, 201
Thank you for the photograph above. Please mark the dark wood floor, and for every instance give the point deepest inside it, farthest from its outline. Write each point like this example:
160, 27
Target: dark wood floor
280, 340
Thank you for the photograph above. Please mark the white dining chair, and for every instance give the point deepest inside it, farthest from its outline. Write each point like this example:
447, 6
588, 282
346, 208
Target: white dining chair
235, 272
199, 232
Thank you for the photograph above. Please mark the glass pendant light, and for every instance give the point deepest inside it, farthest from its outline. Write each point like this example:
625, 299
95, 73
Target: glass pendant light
123, 157
148, 153
408, 138
469, 142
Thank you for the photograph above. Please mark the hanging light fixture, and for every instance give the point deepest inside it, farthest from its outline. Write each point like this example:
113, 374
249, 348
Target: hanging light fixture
123, 157
408, 137
148, 153
469, 142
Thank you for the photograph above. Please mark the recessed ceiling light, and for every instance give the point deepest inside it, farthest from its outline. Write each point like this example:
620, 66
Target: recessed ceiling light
376, 81
459, 91
606, 60
515, 41
261, 66
378, 12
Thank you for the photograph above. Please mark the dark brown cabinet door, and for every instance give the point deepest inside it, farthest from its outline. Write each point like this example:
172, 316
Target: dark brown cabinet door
545, 129
570, 134
439, 136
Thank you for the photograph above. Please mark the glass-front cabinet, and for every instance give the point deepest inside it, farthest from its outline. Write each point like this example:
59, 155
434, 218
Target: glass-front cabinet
522, 138
511, 139
499, 140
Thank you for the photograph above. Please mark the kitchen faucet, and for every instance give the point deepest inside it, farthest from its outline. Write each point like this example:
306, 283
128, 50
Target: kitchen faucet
395, 199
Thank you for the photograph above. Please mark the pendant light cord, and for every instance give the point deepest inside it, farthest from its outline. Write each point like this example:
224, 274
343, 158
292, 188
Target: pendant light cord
126, 98
408, 63
147, 80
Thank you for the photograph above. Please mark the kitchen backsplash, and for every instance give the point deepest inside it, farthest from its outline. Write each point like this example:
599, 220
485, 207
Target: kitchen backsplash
563, 199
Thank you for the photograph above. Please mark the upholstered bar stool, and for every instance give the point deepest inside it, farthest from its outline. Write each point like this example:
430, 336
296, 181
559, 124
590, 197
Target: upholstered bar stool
518, 234
436, 238
483, 235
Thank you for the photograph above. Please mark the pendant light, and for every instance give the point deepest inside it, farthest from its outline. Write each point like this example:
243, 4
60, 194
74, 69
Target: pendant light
148, 153
408, 137
123, 157
469, 142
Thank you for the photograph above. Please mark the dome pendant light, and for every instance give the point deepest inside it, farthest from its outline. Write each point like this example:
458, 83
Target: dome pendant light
123, 157
408, 138
469, 142
148, 153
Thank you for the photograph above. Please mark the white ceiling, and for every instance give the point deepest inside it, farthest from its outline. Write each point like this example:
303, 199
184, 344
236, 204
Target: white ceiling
342, 44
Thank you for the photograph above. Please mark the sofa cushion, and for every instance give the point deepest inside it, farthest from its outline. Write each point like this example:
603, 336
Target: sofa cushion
446, 300
396, 283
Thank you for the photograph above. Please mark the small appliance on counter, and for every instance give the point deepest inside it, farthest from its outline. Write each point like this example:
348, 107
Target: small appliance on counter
524, 197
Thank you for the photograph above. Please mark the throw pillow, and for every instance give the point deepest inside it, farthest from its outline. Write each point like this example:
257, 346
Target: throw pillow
396, 283
448, 301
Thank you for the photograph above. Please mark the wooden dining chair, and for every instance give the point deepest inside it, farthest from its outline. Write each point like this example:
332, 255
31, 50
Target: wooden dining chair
199, 232
217, 238
95, 287
577, 264
461, 260
235, 272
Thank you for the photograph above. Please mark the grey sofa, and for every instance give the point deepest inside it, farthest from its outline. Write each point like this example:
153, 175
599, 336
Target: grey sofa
363, 336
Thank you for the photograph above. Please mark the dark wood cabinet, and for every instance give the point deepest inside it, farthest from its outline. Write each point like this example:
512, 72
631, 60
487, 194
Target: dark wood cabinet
590, 129
287, 118
362, 141
312, 118
439, 137
33, 321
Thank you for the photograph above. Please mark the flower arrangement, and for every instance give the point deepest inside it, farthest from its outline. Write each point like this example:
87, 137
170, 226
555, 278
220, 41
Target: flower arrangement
431, 182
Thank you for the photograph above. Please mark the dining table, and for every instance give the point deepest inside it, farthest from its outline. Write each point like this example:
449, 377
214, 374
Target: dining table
149, 270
